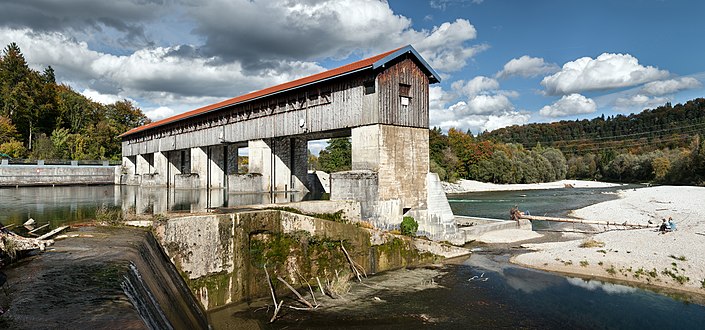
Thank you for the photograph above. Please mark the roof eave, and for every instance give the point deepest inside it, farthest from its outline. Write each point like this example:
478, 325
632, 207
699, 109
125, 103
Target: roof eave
433, 78
250, 100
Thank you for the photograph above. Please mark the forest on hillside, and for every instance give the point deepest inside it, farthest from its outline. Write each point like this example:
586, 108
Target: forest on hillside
663, 145
40, 119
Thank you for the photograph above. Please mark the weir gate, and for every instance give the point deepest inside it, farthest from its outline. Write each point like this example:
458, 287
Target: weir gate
381, 102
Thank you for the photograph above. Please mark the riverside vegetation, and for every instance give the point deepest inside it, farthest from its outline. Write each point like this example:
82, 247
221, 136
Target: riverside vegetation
40, 119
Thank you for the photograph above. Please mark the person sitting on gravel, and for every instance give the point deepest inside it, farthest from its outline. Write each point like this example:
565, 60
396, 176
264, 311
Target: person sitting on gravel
671, 224
664, 226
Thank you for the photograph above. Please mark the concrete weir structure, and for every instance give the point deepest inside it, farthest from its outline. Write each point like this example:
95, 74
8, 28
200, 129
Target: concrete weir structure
381, 102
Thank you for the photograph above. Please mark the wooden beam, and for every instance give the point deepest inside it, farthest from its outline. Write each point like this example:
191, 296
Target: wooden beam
52, 233
589, 222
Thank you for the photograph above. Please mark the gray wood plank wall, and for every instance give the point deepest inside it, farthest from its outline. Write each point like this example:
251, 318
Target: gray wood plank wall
326, 106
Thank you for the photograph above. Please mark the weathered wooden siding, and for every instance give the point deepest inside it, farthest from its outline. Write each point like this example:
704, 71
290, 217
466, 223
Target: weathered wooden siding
390, 109
331, 105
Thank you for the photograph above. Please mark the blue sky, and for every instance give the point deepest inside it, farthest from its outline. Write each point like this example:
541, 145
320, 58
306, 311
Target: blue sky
503, 62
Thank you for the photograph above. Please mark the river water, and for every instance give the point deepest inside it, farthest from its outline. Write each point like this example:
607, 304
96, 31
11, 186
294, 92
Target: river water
510, 297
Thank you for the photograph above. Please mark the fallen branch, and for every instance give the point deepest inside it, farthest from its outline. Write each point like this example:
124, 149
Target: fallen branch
320, 287
274, 297
309, 286
301, 298
12, 243
52, 233
9, 226
352, 264
38, 228
516, 215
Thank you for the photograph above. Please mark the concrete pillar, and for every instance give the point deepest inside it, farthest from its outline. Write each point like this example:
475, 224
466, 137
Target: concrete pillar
398, 156
199, 165
299, 165
281, 162
143, 166
282, 158
173, 166
216, 166
128, 170
161, 168
260, 162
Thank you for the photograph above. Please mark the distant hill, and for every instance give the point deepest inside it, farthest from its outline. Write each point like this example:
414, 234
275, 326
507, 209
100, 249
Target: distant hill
664, 127
662, 145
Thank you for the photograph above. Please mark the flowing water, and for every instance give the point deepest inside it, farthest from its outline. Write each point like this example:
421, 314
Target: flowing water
505, 296
485, 292
546, 202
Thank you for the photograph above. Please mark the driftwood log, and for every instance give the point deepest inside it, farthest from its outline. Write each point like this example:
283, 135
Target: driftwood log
11, 243
515, 214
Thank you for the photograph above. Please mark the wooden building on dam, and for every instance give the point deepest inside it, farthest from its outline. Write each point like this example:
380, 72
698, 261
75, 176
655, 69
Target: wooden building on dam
381, 102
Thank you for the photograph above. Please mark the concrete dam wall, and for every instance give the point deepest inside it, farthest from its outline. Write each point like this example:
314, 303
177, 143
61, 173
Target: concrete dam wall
50, 175
222, 256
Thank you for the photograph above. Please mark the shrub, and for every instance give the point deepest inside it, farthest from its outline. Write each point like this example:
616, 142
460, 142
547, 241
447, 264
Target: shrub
590, 243
409, 226
110, 215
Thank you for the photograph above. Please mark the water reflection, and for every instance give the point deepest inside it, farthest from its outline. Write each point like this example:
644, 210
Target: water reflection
609, 288
71, 204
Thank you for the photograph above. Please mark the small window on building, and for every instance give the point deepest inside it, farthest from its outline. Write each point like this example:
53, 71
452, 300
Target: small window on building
405, 94
404, 90
369, 87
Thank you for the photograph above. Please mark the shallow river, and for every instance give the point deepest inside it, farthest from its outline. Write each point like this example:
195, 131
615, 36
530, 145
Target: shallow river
511, 296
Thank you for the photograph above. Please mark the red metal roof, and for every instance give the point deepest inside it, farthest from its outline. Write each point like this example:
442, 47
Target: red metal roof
355, 66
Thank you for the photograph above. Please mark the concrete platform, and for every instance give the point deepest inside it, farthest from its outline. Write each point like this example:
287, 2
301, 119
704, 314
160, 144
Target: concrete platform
474, 227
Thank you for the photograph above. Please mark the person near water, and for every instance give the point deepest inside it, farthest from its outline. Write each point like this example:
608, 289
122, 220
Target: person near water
671, 224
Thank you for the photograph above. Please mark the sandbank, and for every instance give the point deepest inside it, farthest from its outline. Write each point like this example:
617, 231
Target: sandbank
673, 260
465, 186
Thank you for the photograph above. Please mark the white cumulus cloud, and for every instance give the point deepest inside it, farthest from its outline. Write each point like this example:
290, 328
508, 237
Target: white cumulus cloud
527, 67
639, 101
475, 86
445, 47
670, 86
572, 104
607, 71
96, 96
159, 113
484, 105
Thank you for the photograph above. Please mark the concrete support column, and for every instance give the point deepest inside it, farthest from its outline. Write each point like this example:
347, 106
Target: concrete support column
173, 166
143, 166
260, 162
299, 165
128, 170
290, 164
199, 165
399, 158
216, 166
128, 164
160, 170
282, 158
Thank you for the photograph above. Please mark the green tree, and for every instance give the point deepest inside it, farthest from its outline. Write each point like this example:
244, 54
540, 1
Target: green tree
337, 156
8, 131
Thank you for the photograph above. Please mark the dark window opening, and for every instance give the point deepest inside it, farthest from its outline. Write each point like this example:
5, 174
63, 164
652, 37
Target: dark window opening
369, 87
405, 90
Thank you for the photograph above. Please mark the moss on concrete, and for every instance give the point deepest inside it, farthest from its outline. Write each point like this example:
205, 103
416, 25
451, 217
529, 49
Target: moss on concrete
256, 239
